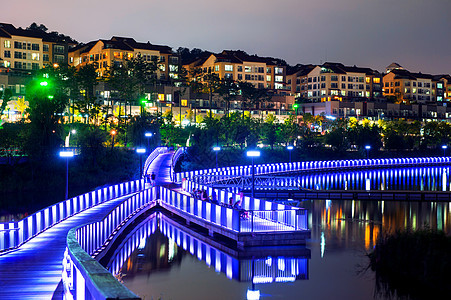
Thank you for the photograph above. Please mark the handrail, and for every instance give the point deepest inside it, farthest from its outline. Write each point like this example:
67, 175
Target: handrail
98, 282
174, 159
314, 166
40, 221
87, 239
151, 157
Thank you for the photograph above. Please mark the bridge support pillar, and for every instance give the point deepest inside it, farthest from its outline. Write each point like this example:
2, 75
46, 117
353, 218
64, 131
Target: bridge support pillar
210, 232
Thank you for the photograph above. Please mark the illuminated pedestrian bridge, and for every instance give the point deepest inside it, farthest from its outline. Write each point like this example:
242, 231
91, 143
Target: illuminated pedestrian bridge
98, 224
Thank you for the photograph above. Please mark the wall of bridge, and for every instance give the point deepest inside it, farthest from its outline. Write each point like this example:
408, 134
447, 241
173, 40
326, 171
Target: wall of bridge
80, 270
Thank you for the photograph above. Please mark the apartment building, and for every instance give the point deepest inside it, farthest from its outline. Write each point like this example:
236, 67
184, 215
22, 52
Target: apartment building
24, 50
405, 87
262, 72
118, 49
335, 81
297, 80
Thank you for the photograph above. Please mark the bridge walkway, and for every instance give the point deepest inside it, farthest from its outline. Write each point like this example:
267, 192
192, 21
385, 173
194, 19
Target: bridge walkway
33, 271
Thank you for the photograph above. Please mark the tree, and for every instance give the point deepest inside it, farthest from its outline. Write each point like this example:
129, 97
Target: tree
211, 86
47, 102
5, 95
229, 90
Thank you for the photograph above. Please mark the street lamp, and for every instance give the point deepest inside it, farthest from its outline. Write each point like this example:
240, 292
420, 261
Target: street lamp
216, 150
113, 133
368, 148
140, 152
73, 131
444, 147
252, 154
67, 154
148, 135
290, 148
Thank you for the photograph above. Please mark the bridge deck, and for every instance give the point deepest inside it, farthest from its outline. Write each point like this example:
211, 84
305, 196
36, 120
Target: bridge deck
34, 270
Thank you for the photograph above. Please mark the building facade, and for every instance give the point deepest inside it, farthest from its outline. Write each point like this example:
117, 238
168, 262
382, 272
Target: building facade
106, 53
262, 72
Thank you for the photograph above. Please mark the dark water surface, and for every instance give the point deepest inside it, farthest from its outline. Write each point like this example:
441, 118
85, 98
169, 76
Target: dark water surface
166, 263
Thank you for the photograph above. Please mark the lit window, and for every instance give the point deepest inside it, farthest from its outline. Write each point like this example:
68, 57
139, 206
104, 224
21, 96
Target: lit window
268, 77
7, 44
278, 78
34, 56
229, 68
247, 69
217, 68
376, 80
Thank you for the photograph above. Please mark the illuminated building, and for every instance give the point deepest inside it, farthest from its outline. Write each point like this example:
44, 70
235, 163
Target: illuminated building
335, 81
24, 50
262, 72
118, 49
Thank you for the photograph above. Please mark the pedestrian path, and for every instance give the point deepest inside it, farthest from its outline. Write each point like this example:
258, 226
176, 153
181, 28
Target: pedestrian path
34, 270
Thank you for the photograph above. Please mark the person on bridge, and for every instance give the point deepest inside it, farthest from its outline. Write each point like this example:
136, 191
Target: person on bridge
204, 196
152, 178
214, 199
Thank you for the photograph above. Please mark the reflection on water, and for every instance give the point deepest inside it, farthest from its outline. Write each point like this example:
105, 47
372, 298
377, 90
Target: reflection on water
358, 223
159, 244
163, 257
419, 179
164, 261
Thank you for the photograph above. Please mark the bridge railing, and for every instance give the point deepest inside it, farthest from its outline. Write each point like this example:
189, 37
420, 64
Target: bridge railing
174, 160
14, 234
282, 217
216, 214
312, 165
80, 270
152, 156
274, 220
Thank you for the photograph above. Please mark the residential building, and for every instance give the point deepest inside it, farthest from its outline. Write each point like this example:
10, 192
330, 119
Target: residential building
297, 80
336, 81
116, 50
262, 72
406, 87
24, 50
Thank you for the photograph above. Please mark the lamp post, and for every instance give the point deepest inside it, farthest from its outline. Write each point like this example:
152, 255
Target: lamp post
67, 144
113, 133
140, 152
368, 148
148, 135
444, 147
67, 154
216, 150
290, 148
252, 154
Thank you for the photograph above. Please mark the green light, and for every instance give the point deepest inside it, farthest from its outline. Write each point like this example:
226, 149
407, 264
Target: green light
50, 97
295, 105
44, 83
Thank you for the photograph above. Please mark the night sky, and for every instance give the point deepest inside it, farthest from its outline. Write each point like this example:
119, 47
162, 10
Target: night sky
366, 33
